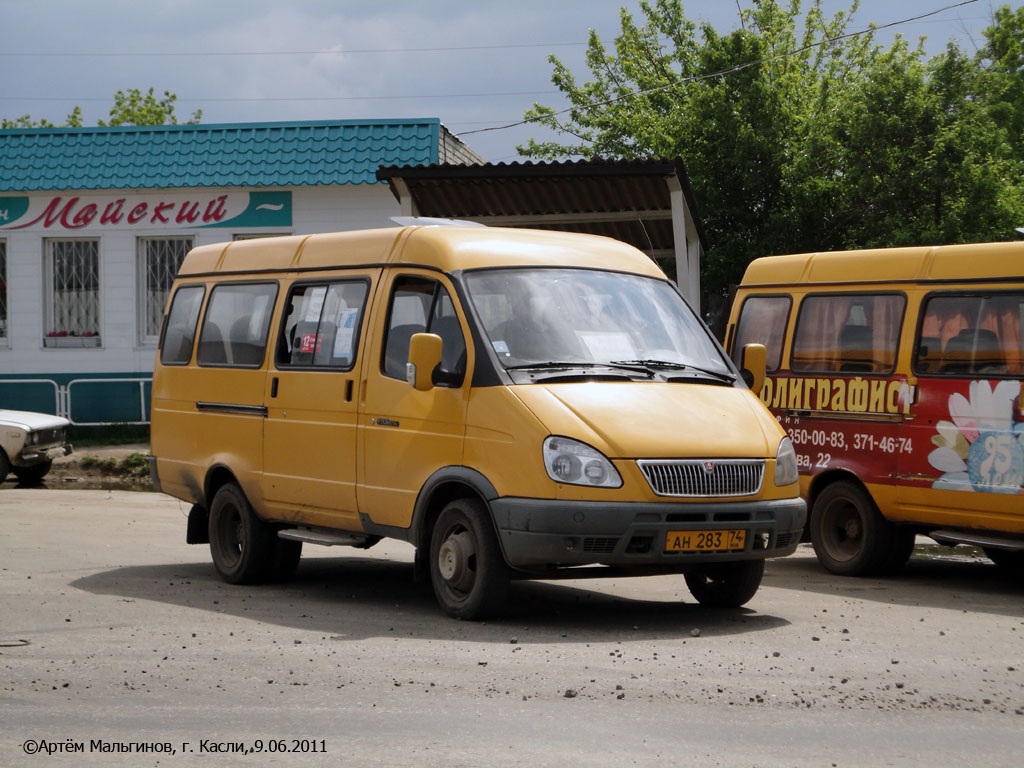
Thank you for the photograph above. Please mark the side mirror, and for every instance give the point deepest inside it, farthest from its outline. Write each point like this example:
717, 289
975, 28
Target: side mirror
424, 357
753, 367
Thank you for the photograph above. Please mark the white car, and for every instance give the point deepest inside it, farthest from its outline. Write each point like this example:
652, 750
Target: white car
29, 442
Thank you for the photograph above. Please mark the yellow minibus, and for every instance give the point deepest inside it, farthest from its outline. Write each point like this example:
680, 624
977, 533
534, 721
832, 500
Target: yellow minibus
898, 374
513, 403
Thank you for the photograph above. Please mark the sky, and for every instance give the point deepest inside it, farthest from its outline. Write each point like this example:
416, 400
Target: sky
474, 64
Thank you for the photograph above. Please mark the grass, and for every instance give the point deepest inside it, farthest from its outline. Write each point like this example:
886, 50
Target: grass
132, 465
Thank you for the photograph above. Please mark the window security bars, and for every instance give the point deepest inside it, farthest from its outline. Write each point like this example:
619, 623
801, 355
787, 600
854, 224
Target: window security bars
161, 259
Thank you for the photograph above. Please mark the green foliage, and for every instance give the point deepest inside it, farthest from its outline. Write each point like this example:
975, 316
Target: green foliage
131, 107
134, 465
137, 108
806, 140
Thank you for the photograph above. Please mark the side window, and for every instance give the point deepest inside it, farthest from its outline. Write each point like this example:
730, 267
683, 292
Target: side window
181, 325
321, 325
848, 333
235, 326
419, 305
966, 334
763, 320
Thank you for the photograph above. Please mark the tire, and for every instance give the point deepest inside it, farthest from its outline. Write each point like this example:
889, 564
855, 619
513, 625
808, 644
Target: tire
903, 540
467, 569
286, 559
5, 466
242, 545
725, 585
850, 536
34, 474
1009, 560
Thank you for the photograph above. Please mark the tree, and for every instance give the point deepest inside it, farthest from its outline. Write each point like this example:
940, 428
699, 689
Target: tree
805, 142
137, 108
130, 108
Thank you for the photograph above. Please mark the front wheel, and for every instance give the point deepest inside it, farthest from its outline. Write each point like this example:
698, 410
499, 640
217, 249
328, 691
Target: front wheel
725, 585
467, 569
850, 536
33, 474
241, 544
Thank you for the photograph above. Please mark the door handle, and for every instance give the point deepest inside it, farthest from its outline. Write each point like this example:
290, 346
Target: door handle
273, 387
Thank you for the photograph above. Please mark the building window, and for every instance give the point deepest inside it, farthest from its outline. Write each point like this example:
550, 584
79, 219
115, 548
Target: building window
73, 301
159, 261
3, 290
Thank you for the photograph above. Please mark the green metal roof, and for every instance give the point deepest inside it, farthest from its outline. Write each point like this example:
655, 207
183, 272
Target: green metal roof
226, 155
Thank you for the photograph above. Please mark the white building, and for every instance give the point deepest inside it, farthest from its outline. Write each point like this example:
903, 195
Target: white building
94, 223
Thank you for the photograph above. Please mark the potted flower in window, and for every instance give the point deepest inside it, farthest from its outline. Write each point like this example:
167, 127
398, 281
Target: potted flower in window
71, 339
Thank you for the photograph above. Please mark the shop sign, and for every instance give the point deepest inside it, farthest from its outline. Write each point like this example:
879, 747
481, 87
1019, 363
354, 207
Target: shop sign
171, 210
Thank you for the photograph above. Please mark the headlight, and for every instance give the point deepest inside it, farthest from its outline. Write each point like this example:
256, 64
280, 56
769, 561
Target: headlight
785, 463
570, 461
31, 438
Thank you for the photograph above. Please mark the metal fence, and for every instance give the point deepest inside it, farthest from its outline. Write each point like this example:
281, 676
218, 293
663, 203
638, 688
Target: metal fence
89, 402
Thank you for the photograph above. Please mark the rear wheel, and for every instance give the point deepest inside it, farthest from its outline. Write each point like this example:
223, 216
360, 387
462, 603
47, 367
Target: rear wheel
1008, 559
850, 536
5, 466
241, 544
467, 569
725, 585
33, 474
286, 559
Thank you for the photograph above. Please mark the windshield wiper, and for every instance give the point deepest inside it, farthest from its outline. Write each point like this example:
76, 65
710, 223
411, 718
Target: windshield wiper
625, 366
668, 364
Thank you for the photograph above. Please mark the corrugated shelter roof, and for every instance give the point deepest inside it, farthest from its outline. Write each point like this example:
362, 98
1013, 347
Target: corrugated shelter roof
625, 199
309, 153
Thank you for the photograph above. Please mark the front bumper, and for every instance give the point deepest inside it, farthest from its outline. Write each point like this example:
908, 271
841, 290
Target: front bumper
32, 456
544, 533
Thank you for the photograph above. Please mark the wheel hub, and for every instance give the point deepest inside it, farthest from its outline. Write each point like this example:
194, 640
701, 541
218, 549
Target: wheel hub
453, 560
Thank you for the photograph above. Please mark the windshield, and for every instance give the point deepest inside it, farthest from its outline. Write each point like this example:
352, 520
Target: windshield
537, 316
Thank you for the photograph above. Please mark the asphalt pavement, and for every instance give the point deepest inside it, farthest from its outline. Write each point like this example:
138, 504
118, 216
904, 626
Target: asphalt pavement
117, 639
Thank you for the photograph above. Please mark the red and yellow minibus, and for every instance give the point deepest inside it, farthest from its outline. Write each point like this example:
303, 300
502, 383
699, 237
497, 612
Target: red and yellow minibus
898, 374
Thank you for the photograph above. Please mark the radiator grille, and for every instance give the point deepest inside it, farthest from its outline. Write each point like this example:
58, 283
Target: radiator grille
704, 477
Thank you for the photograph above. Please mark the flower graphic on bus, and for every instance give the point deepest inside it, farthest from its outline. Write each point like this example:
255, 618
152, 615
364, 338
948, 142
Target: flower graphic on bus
981, 448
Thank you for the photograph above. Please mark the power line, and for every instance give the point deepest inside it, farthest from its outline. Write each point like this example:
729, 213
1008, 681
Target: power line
329, 51
296, 98
720, 73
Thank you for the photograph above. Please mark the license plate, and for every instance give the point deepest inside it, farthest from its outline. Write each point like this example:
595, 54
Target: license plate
705, 541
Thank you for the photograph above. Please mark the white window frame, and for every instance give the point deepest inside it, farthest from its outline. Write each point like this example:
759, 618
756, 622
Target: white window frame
142, 270
50, 304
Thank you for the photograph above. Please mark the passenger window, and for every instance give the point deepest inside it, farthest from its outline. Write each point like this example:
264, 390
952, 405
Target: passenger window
321, 325
234, 332
181, 325
850, 333
971, 334
419, 305
763, 320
